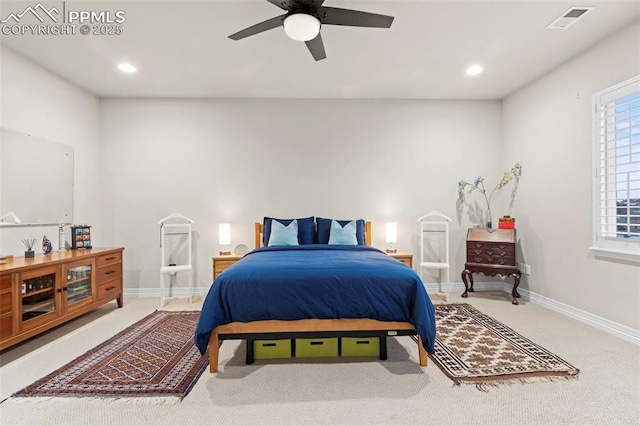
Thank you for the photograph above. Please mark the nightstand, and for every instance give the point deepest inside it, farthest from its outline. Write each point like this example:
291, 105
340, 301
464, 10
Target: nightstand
404, 257
223, 261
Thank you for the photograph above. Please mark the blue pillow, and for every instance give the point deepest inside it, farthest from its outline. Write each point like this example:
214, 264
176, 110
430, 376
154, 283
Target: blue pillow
343, 235
283, 235
306, 229
324, 230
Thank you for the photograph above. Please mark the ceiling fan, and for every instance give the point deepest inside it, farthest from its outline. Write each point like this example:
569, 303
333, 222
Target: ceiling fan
303, 20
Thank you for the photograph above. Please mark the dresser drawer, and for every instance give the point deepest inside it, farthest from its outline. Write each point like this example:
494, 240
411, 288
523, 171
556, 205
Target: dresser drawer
6, 327
5, 303
110, 290
490, 247
492, 260
107, 259
5, 282
499, 253
109, 273
405, 260
221, 265
491, 256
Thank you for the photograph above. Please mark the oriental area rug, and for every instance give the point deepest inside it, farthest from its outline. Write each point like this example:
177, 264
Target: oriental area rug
155, 357
474, 348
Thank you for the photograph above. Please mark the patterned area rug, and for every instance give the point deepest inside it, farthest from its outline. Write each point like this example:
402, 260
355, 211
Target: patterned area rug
155, 357
472, 347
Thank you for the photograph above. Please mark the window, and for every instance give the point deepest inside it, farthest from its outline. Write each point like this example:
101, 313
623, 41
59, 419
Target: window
617, 171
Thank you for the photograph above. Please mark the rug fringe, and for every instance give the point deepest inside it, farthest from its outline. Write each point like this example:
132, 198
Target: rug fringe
486, 385
151, 400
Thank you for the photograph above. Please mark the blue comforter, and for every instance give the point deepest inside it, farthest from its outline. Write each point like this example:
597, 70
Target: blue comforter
317, 281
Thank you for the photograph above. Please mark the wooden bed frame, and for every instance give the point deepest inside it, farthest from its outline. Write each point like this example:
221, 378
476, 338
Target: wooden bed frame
273, 329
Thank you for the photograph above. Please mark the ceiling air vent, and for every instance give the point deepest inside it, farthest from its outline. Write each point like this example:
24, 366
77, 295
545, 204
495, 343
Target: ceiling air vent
569, 18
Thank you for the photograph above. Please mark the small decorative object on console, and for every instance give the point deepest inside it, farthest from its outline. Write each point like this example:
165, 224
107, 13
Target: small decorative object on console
80, 236
28, 243
46, 245
61, 243
507, 222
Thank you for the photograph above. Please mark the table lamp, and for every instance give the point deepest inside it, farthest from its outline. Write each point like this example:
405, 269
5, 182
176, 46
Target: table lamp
224, 235
391, 235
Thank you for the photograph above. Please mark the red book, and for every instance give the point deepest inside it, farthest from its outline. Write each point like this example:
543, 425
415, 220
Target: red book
506, 225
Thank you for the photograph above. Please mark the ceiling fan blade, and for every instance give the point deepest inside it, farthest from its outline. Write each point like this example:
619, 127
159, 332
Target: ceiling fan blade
316, 47
297, 4
269, 24
353, 18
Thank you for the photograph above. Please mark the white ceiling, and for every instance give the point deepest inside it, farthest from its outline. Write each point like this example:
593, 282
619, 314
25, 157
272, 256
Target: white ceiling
181, 49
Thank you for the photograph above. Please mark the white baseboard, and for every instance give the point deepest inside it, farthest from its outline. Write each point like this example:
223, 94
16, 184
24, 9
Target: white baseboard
155, 292
622, 331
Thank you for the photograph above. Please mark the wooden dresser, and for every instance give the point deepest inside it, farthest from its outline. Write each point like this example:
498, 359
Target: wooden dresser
491, 252
40, 293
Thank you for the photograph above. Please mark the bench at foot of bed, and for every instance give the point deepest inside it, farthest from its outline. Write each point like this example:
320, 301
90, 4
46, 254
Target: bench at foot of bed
311, 329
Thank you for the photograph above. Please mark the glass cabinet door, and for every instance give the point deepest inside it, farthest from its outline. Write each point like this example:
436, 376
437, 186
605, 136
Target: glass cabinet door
78, 286
38, 295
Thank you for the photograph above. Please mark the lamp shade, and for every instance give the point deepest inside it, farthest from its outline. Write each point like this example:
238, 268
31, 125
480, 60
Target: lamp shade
301, 27
224, 234
391, 234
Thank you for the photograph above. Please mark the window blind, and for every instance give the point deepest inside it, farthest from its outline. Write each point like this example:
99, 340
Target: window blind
617, 163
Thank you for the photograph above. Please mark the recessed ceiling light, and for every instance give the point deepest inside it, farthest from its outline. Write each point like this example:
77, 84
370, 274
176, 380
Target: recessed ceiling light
126, 67
474, 70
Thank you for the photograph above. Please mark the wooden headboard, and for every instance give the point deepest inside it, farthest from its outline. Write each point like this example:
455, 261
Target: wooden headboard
258, 234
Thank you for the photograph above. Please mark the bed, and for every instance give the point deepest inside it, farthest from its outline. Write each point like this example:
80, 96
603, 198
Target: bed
316, 290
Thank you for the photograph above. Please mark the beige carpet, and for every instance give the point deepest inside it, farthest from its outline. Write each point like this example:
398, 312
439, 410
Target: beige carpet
396, 391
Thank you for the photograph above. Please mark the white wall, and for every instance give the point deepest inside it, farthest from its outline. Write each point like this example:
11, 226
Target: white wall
547, 126
37, 102
238, 160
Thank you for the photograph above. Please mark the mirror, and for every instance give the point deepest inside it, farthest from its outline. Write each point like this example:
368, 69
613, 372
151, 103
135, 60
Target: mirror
36, 179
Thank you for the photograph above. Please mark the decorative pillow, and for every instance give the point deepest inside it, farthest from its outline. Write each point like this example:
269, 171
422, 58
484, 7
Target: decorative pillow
306, 229
283, 235
343, 235
324, 230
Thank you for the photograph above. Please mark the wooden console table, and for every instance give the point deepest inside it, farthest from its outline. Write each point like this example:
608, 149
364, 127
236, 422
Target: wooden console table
39, 293
491, 252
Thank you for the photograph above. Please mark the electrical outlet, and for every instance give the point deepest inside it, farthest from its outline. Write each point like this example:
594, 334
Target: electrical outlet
524, 268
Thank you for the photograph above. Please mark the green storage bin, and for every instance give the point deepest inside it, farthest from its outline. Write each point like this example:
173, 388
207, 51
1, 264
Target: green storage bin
272, 349
309, 348
361, 346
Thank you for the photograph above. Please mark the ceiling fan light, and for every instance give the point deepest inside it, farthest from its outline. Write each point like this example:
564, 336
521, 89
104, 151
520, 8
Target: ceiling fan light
301, 27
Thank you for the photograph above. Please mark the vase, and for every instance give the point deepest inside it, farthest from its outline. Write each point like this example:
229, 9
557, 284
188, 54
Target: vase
488, 222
